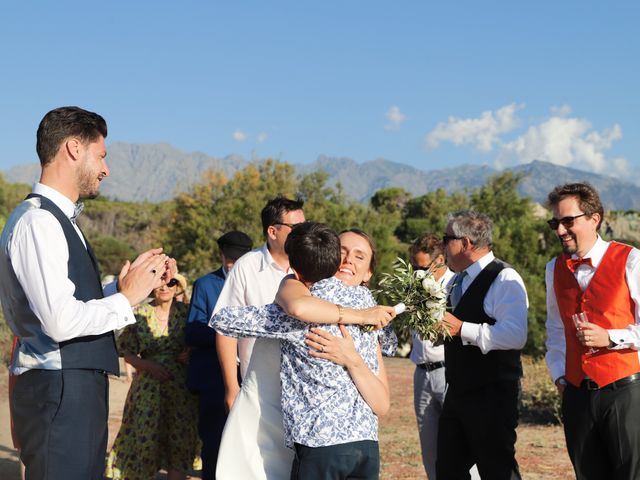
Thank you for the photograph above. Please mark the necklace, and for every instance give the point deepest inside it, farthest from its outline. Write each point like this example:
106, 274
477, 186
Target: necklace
162, 322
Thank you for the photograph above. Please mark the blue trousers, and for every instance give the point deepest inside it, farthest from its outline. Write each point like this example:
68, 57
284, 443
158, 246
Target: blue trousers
211, 421
60, 419
353, 460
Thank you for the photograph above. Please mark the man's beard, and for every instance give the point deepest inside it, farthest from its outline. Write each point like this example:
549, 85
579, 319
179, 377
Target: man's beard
569, 249
86, 181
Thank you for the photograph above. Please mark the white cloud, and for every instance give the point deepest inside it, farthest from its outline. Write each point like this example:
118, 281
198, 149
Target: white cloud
569, 142
560, 139
482, 132
239, 136
395, 118
262, 137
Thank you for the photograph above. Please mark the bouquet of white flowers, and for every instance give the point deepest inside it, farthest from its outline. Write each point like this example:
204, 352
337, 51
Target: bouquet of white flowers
424, 297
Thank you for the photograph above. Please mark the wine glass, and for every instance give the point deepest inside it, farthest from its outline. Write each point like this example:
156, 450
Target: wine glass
578, 320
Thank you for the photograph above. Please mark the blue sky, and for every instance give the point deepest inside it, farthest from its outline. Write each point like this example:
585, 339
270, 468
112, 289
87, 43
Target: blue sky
430, 84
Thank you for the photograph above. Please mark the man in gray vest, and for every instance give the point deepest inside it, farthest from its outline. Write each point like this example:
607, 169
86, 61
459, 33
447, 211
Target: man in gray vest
54, 303
488, 327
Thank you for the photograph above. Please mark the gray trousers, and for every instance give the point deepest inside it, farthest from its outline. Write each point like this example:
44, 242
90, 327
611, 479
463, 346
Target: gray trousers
429, 389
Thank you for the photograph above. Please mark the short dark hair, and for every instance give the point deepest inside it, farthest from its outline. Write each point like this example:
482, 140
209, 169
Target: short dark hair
372, 245
276, 208
584, 192
427, 243
314, 251
64, 122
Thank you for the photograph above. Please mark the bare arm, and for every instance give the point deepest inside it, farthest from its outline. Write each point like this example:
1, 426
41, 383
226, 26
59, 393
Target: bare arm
227, 348
296, 300
341, 350
154, 369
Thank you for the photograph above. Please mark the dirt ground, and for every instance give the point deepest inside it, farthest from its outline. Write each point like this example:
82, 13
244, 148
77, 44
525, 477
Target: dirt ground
540, 449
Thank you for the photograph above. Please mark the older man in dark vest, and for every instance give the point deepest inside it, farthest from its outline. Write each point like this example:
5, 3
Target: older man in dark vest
54, 303
488, 329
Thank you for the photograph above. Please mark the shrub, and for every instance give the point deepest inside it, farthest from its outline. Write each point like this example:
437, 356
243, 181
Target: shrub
540, 399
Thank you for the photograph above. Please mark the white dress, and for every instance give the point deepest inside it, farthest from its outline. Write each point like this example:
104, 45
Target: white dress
252, 446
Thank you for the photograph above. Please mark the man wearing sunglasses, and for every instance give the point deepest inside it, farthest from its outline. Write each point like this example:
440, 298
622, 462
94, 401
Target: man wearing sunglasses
595, 364
488, 327
254, 280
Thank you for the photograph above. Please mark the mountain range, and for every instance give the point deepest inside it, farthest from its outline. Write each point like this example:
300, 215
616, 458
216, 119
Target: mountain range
157, 172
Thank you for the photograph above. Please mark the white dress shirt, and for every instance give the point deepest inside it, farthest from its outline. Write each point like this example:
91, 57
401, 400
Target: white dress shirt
253, 280
34, 242
506, 302
424, 351
623, 338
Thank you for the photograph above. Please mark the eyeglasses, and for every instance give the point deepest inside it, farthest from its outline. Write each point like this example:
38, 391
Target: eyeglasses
290, 225
566, 222
447, 238
172, 283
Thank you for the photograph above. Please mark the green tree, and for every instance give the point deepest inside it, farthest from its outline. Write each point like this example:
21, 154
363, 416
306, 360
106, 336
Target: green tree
217, 205
428, 213
523, 240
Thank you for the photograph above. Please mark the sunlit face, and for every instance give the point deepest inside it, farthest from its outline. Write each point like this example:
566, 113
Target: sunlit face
421, 261
454, 249
164, 293
280, 232
581, 236
355, 266
92, 169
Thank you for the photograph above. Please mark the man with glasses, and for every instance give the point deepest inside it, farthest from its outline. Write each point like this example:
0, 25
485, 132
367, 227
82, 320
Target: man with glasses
594, 364
429, 384
488, 327
254, 280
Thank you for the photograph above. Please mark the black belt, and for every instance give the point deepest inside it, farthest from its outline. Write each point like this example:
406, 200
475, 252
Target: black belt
430, 366
588, 384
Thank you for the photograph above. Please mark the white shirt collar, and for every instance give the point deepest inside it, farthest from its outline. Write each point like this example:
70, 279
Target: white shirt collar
475, 268
596, 253
61, 201
267, 260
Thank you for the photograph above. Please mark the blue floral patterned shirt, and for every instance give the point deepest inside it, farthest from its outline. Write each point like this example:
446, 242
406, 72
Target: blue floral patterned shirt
320, 403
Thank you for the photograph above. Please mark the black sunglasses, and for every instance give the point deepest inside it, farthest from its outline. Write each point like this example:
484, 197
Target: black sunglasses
290, 225
447, 238
566, 222
172, 283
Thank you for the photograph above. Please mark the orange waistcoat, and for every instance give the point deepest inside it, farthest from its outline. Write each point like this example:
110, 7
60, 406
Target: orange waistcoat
607, 302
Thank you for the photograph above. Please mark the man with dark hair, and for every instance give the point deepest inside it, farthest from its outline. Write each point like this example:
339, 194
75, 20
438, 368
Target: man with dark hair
330, 410
594, 360
204, 376
254, 280
429, 383
54, 303
488, 329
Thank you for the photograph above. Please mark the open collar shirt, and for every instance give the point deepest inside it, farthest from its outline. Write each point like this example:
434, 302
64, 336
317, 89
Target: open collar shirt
623, 338
320, 403
37, 250
253, 280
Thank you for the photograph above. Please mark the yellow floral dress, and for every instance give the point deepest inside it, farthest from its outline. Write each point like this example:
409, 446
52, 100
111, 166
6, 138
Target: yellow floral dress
159, 423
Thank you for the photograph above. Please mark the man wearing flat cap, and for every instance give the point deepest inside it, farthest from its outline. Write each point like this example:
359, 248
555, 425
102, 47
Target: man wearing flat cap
204, 376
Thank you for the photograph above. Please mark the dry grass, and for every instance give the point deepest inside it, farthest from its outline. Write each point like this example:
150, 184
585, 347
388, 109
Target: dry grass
540, 449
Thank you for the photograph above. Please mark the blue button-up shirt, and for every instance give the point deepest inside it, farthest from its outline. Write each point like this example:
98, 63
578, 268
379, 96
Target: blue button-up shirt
320, 403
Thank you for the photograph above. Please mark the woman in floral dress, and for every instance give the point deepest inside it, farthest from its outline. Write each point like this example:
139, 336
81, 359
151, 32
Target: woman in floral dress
159, 423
